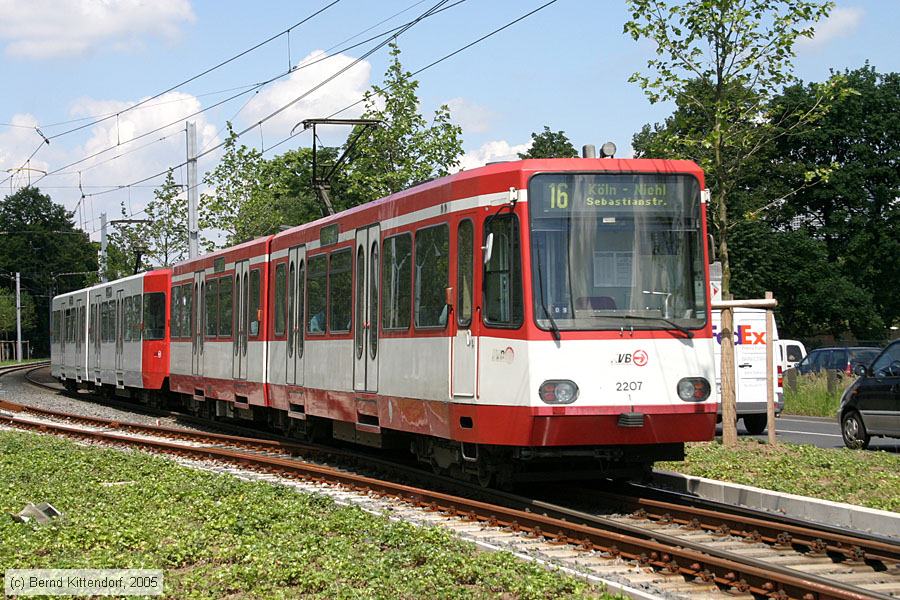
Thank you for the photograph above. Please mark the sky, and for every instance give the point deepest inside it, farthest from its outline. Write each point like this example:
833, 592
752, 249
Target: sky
64, 63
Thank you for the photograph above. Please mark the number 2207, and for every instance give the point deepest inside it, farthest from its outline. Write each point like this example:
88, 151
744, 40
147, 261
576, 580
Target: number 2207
628, 386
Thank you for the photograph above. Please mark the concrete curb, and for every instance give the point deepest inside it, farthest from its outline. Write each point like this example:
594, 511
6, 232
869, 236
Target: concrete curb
837, 514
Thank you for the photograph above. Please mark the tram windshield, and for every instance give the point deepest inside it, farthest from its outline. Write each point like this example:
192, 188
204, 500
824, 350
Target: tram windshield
617, 250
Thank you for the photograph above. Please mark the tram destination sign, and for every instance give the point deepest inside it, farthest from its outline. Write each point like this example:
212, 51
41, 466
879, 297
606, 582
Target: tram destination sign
558, 194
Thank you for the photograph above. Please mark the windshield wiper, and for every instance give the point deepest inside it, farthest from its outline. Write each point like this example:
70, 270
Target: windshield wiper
687, 332
554, 329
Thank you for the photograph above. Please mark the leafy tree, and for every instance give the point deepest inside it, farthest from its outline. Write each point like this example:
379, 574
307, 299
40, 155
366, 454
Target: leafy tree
405, 149
550, 144
166, 233
38, 239
856, 212
737, 53
232, 184
815, 296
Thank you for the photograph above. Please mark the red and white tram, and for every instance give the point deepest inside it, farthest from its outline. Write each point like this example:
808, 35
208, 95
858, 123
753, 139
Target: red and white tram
114, 334
494, 321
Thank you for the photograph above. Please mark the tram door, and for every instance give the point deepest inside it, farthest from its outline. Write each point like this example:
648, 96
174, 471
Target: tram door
464, 344
98, 331
199, 323
295, 315
366, 296
240, 297
120, 328
80, 350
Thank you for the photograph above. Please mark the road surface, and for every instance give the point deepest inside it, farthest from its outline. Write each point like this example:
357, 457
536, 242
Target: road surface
818, 431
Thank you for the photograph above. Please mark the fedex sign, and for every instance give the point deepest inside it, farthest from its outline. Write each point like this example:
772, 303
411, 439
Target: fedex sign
744, 335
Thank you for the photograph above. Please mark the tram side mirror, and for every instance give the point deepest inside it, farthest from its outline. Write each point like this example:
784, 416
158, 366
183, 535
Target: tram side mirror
488, 247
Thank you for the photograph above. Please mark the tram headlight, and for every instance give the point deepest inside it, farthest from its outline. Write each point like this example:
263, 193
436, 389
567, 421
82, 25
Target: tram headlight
694, 389
558, 391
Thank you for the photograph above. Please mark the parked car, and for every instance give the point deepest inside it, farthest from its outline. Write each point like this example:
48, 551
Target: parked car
871, 405
843, 359
790, 353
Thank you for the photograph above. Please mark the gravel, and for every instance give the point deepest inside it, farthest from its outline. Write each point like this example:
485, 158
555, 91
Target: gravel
15, 388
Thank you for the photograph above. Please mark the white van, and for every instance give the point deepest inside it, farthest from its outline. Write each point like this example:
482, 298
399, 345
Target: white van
749, 366
790, 353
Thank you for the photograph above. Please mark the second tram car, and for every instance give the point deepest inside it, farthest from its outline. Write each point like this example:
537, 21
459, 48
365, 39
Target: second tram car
497, 321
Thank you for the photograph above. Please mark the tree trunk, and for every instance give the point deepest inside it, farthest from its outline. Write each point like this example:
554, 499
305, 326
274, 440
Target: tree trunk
727, 399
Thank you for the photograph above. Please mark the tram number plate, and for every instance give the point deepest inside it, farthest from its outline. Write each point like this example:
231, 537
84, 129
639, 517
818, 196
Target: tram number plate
628, 386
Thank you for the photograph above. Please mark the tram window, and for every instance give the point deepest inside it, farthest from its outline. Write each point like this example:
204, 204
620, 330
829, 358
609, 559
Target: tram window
154, 316
373, 300
254, 302
129, 316
503, 274
465, 236
175, 311
396, 279
301, 295
280, 284
226, 316
187, 309
359, 338
136, 320
340, 294
292, 291
110, 324
315, 299
212, 309
104, 322
432, 272
53, 319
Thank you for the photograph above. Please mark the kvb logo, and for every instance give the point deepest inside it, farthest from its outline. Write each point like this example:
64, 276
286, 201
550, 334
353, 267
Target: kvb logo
637, 358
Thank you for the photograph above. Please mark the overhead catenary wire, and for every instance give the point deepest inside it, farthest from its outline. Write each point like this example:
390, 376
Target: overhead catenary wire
308, 92
416, 72
180, 84
392, 32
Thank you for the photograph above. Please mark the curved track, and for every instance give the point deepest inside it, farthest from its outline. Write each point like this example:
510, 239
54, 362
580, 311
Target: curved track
708, 549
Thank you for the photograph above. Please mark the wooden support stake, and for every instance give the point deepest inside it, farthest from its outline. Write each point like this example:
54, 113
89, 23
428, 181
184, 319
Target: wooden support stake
770, 375
729, 408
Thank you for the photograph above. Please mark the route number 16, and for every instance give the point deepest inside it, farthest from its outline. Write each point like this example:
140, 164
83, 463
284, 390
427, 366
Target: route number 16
559, 195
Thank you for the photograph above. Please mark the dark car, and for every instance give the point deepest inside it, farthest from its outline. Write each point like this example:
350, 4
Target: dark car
871, 405
844, 359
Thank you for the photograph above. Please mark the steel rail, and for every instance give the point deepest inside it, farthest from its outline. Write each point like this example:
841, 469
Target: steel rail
772, 530
729, 572
676, 514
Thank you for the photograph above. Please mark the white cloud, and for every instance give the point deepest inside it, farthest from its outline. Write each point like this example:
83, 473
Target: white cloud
347, 88
58, 28
496, 150
842, 22
126, 163
473, 118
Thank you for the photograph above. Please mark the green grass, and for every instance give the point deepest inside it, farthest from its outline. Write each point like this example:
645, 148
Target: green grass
865, 478
8, 363
217, 536
811, 395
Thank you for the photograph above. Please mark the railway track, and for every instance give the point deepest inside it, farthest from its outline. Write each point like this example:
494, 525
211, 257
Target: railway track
686, 550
